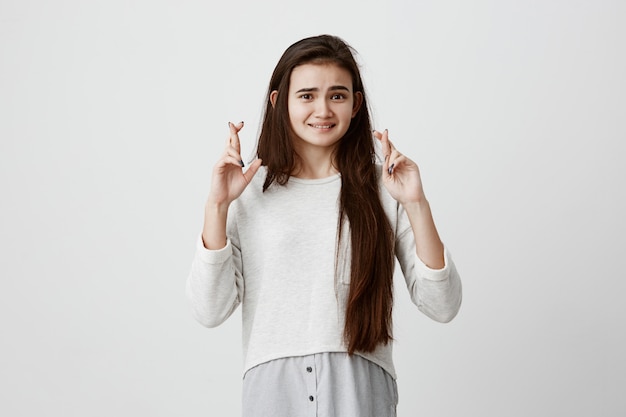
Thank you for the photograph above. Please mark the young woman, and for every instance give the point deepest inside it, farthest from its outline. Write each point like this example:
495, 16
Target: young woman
305, 240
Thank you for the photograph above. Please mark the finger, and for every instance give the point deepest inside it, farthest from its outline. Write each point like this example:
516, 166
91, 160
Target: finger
385, 148
234, 134
233, 139
239, 126
230, 151
229, 160
395, 159
392, 147
394, 155
383, 137
386, 145
252, 170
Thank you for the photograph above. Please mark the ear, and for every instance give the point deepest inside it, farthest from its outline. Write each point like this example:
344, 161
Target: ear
274, 97
358, 100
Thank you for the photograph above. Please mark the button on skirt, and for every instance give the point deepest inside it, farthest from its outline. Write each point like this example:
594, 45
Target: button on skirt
329, 384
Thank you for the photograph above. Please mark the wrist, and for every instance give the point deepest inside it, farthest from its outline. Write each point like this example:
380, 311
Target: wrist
214, 207
417, 206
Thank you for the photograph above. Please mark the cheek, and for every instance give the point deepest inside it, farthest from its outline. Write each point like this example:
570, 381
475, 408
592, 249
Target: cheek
295, 117
347, 112
298, 114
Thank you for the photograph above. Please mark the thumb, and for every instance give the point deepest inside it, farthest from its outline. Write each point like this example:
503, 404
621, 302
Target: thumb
252, 170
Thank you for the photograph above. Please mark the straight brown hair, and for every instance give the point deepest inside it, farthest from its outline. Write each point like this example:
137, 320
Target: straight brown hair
370, 298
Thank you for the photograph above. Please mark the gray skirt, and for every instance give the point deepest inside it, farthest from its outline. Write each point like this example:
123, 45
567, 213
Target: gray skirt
329, 384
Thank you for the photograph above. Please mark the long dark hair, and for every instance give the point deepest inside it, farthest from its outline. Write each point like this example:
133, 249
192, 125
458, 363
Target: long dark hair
370, 299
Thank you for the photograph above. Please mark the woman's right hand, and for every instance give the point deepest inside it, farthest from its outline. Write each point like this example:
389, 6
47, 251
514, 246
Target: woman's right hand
227, 183
228, 180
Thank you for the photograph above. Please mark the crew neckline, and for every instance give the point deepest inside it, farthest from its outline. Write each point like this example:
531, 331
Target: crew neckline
324, 180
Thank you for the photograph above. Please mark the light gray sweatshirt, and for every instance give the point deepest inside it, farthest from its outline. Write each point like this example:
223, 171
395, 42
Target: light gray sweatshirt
279, 264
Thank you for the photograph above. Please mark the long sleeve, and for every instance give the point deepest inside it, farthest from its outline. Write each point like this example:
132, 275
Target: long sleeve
292, 303
215, 283
437, 293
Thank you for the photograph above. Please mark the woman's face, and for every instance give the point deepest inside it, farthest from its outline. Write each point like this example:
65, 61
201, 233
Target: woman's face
321, 105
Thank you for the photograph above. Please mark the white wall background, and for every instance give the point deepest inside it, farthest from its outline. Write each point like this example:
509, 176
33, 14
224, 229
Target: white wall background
113, 112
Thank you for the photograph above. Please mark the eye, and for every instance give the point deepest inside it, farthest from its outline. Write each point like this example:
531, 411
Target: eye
306, 96
338, 97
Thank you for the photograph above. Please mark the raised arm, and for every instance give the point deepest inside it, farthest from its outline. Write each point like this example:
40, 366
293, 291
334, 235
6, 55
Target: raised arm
227, 183
215, 282
432, 278
402, 179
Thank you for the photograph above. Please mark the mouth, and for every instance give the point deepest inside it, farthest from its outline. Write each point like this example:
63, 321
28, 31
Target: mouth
323, 126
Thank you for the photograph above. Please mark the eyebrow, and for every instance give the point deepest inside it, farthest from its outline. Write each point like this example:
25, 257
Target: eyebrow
333, 88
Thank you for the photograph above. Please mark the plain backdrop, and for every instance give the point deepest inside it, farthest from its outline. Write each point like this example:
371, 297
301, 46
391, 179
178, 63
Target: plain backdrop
113, 112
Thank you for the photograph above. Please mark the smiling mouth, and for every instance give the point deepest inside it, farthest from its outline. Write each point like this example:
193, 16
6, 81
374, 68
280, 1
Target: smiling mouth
325, 126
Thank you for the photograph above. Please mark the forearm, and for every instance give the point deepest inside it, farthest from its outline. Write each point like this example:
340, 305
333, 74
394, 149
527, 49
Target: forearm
214, 229
427, 242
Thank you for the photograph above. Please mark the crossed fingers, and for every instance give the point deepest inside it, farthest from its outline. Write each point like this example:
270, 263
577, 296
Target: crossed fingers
392, 157
233, 145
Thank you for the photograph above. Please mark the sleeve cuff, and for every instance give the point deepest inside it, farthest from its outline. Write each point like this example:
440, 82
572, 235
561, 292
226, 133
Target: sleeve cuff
217, 256
434, 274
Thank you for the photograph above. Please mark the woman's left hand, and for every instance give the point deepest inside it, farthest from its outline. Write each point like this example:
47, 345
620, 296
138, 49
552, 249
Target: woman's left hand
401, 176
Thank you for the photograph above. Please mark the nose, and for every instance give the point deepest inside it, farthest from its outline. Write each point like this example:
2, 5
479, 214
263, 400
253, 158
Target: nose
323, 109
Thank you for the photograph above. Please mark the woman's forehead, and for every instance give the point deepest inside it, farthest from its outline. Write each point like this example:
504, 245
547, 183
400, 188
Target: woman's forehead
320, 76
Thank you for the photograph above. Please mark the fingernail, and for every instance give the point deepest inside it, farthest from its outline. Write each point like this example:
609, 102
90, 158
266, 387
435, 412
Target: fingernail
390, 170
241, 122
241, 163
229, 125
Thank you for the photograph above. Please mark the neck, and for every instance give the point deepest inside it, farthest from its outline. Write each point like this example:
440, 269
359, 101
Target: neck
315, 164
